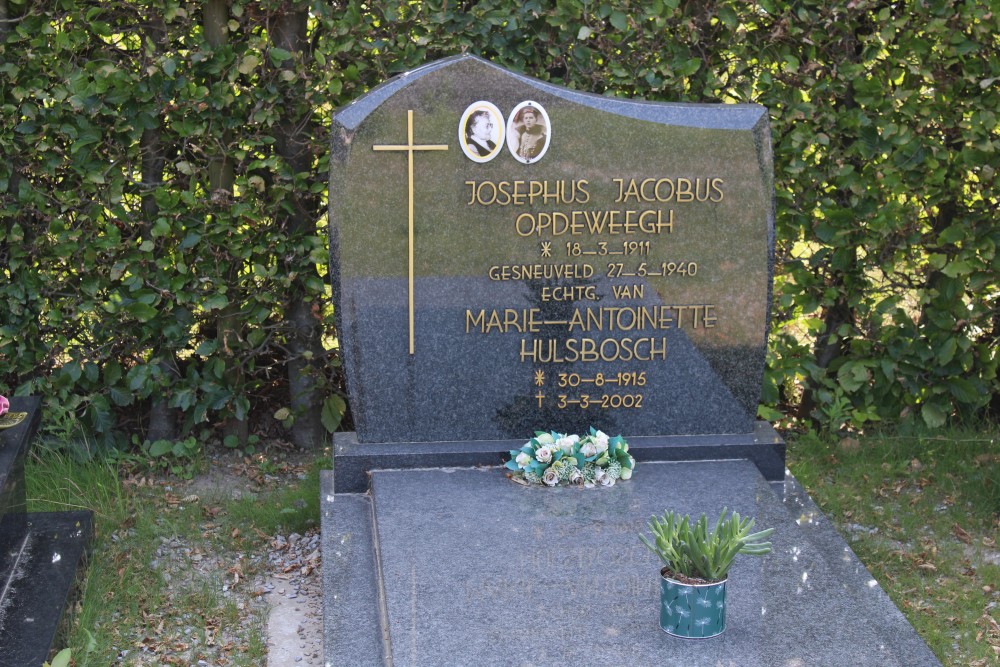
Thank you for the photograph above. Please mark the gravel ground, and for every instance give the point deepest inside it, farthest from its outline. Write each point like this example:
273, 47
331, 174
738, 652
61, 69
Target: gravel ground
292, 585
274, 593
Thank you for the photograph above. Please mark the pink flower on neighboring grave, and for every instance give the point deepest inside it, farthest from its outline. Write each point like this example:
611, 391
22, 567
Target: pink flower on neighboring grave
4, 405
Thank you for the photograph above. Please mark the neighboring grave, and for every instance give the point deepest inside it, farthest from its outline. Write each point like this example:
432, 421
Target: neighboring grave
42, 554
510, 256
582, 261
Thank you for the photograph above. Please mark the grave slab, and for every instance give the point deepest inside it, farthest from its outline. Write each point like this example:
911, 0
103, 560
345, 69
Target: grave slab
41, 554
38, 587
469, 564
350, 581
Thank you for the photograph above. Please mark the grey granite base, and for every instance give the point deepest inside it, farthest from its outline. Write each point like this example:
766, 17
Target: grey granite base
353, 461
437, 566
351, 594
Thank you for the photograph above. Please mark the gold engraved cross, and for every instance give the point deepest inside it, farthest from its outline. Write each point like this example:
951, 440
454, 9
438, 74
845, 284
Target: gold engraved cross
409, 147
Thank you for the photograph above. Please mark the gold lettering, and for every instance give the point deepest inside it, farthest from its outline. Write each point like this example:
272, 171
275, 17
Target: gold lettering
639, 318
620, 182
500, 272
569, 293
530, 219
669, 225
589, 350
667, 197
474, 321
665, 190
684, 193
632, 191
577, 223
642, 189
628, 291
492, 194
518, 196
535, 189
697, 189
503, 321
504, 189
519, 193
593, 323
708, 317
717, 186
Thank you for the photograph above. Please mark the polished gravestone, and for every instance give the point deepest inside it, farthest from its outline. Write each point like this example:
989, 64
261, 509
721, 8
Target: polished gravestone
469, 564
612, 269
620, 278
40, 554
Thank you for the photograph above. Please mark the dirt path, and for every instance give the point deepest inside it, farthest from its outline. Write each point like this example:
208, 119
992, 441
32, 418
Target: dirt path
295, 614
286, 581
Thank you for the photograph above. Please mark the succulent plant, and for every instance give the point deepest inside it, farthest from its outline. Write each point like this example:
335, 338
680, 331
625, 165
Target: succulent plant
693, 551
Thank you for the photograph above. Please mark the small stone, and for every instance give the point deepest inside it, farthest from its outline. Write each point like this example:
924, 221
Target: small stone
849, 445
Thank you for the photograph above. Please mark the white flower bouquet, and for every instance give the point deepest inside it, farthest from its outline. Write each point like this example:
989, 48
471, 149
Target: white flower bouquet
552, 459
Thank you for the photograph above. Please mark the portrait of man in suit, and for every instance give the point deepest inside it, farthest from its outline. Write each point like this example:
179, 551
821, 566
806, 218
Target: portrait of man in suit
480, 131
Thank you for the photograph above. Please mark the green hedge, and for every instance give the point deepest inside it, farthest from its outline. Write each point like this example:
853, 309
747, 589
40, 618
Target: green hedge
163, 190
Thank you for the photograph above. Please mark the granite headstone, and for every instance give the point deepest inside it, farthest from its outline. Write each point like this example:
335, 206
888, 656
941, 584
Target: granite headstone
510, 255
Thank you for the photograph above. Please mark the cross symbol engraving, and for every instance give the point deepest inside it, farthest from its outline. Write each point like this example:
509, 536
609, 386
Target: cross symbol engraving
409, 147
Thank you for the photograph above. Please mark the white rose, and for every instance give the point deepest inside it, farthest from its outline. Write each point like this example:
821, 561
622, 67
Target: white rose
607, 480
566, 443
545, 439
522, 460
550, 477
599, 475
588, 449
543, 454
601, 439
575, 476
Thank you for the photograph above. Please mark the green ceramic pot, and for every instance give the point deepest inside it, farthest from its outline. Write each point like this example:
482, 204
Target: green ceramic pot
692, 611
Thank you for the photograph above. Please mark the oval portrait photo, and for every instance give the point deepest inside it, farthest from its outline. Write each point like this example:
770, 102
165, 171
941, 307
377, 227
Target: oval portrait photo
528, 132
480, 132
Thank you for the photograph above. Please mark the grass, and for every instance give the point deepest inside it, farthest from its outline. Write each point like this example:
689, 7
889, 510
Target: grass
922, 512
170, 574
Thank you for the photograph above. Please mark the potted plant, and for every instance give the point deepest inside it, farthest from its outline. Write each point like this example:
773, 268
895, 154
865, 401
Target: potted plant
696, 564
